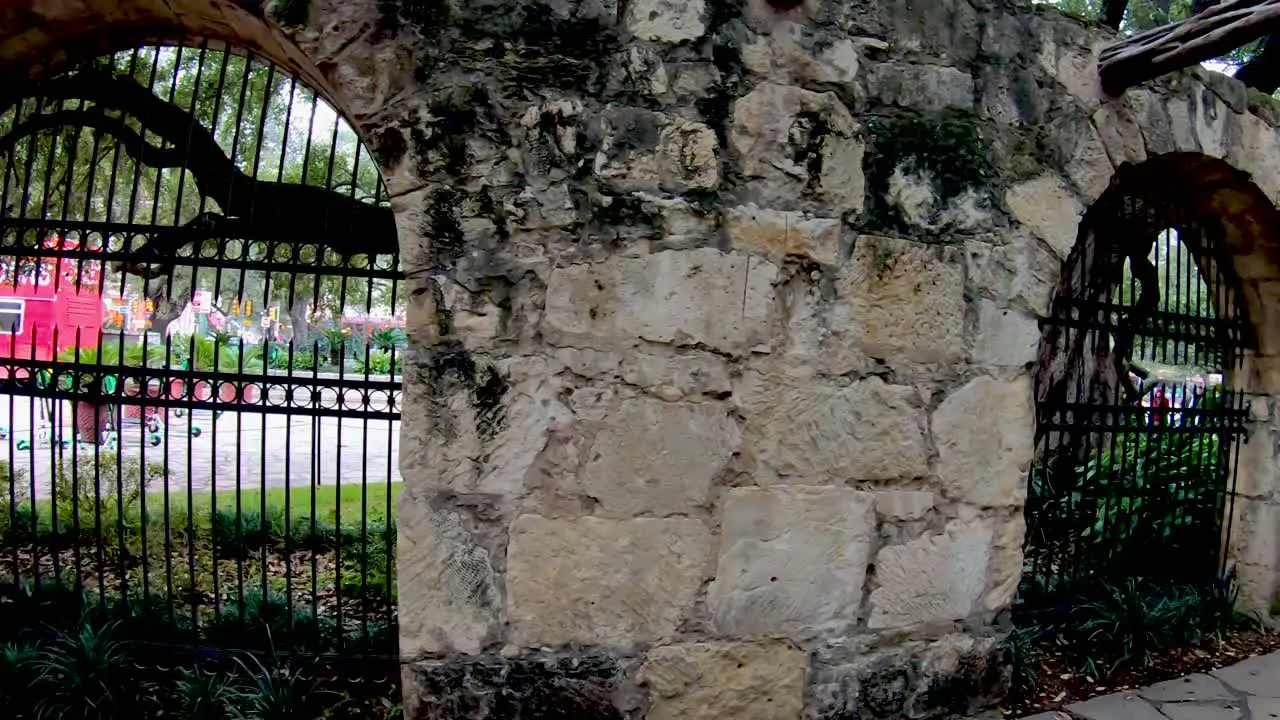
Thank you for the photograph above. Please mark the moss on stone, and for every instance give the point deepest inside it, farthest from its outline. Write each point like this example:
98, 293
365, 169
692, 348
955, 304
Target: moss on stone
949, 149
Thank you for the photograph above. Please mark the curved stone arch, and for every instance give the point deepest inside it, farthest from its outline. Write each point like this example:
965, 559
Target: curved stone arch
1242, 226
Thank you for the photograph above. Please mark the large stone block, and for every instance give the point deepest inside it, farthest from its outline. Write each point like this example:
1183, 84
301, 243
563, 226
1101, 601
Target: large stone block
1049, 209
1006, 337
903, 300
647, 151
938, 578
984, 433
712, 681
799, 148
669, 21
806, 432
686, 297
923, 87
582, 686
449, 599
778, 234
607, 582
655, 457
793, 560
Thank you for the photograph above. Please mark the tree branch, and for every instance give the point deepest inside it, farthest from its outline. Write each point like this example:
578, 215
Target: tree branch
1111, 14
1212, 33
132, 141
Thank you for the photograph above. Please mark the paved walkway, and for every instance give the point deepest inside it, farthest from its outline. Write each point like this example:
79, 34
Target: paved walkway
1247, 691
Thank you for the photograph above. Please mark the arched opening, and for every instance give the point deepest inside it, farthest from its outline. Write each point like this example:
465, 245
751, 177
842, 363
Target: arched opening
201, 310
1141, 388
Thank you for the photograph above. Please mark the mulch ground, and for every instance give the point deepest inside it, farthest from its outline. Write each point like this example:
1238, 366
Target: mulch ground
1058, 685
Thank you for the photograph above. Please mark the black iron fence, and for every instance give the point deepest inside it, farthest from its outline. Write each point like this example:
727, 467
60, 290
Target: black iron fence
1137, 422
200, 364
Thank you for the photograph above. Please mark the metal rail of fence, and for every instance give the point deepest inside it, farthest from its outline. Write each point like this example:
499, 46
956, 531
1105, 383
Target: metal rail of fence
222, 488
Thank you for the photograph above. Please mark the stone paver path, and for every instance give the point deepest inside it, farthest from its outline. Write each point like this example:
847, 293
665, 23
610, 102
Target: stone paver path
1247, 691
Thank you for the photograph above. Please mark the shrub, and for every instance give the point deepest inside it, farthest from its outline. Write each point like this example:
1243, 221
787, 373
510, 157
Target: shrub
85, 674
240, 535
278, 692
259, 622
209, 696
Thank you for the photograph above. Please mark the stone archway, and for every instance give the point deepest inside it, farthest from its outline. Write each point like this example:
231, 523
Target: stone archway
1227, 227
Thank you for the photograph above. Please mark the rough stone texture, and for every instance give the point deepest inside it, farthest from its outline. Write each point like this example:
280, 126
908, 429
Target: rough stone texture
792, 560
646, 151
778, 235
488, 686
692, 297
1006, 337
938, 578
805, 432
706, 681
984, 448
1258, 676
798, 149
904, 300
1047, 207
669, 21
629, 478
903, 504
606, 582
457, 604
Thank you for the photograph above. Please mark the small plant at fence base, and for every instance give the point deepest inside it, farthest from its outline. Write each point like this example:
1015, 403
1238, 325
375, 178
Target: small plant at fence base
91, 671
1129, 625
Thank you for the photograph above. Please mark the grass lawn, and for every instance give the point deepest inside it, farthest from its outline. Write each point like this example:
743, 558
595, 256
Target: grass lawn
328, 499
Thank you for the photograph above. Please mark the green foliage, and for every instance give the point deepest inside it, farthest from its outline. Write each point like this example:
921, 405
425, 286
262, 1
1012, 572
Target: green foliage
380, 363
1128, 624
262, 622
1140, 501
17, 674
84, 674
388, 339
1023, 660
206, 351
203, 695
278, 692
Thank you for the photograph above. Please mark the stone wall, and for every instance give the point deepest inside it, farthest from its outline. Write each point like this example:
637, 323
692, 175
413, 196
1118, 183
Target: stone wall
723, 320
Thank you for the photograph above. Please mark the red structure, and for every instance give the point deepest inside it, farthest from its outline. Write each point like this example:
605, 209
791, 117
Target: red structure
47, 304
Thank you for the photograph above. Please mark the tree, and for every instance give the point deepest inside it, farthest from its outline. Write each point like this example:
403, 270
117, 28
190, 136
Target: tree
1256, 64
223, 155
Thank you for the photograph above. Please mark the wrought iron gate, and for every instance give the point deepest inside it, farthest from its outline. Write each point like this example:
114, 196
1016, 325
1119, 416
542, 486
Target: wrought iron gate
199, 365
1137, 425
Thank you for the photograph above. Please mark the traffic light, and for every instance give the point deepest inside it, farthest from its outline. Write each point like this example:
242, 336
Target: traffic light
235, 307
275, 312
248, 308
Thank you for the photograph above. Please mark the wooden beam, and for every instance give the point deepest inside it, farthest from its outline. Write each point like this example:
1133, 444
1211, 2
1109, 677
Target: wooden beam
1210, 34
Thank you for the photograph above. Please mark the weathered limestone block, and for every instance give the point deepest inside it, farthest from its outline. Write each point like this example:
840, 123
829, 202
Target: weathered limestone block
485, 443
778, 234
903, 504
793, 560
1258, 471
1121, 133
656, 457
668, 21
794, 144
1258, 145
647, 151
803, 431
984, 434
938, 578
1021, 274
606, 582
704, 296
924, 87
1050, 210
678, 376
710, 681
914, 193
453, 600
799, 53
1006, 338
553, 147
903, 300
1006, 561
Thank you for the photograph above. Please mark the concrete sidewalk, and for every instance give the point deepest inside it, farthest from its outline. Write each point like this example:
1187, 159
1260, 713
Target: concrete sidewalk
1247, 691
